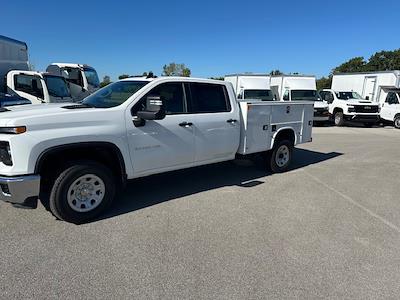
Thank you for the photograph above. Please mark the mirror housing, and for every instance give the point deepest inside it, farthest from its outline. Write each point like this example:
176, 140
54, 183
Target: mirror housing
367, 98
155, 109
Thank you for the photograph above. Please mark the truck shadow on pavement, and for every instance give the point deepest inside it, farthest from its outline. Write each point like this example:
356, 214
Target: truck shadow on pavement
148, 191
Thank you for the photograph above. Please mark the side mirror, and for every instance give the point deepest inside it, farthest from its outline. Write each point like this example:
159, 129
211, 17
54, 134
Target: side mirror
367, 98
155, 109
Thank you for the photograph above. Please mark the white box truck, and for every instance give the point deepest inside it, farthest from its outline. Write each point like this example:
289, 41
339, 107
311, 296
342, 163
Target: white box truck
134, 128
300, 88
373, 86
251, 86
83, 79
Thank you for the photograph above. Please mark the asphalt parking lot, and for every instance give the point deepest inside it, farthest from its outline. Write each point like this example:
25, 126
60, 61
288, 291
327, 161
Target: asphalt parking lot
329, 228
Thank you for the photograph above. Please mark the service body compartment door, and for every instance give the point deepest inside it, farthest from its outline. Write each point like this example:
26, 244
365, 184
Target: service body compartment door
256, 128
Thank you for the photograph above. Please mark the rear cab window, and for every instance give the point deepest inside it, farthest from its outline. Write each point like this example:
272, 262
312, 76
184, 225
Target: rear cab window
207, 98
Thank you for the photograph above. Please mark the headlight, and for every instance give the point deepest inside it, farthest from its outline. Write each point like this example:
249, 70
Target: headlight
5, 154
13, 130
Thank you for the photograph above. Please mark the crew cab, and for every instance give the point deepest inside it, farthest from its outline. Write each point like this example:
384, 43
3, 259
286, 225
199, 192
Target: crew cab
390, 110
349, 106
80, 154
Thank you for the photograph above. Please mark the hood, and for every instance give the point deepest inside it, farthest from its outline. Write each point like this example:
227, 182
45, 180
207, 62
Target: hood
320, 104
41, 114
360, 102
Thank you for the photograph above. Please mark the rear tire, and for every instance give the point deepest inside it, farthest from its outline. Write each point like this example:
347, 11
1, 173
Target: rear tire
279, 159
339, 118
82, 192
396, 122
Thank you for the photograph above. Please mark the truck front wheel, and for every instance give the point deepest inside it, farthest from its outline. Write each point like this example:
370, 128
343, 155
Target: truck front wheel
339, 118
397, 122
81, 192
280, 157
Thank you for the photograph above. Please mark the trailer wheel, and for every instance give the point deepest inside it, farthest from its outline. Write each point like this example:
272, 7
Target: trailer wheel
397, 122
280, 157
81, 192
339, 118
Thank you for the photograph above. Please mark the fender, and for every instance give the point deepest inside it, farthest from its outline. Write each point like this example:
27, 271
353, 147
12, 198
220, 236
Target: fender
280, 131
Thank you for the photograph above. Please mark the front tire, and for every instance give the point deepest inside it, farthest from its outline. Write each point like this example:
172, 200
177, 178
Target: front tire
339, 118
280, 157
82, 192
396, 122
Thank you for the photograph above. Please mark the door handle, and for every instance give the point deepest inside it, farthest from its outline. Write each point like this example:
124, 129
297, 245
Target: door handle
231, 121
185, 124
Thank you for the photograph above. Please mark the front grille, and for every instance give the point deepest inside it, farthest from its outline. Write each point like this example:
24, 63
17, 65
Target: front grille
365, 109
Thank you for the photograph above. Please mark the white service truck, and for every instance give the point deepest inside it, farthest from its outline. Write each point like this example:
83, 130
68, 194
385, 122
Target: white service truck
348, 105
80, 154
83, 79
251, 86
390, 109
300, 88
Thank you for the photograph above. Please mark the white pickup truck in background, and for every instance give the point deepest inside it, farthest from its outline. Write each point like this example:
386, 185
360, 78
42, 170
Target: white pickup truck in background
80, 153
349, 106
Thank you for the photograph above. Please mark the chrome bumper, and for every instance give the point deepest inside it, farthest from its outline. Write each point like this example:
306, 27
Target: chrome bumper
20, 190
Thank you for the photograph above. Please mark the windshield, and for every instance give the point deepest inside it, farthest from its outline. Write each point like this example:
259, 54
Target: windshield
114, 94
347, 95
264, 95
57, 86
304, 95
91, 76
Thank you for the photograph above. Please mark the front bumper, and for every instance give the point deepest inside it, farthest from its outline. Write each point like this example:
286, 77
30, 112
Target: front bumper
362, 118
321, 118
21, 191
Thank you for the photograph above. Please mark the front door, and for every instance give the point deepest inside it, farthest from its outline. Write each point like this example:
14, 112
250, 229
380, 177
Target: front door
390, 107
162, 145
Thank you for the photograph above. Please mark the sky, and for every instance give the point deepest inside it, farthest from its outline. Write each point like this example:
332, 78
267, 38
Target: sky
212, 38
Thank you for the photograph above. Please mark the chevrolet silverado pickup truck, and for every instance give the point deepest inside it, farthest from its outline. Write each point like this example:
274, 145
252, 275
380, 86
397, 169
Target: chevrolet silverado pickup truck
349, 106
75, 157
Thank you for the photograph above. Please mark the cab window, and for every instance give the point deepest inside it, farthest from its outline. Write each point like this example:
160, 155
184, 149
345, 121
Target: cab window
392, 98
29, 84
286, 96
171, 94
208, 98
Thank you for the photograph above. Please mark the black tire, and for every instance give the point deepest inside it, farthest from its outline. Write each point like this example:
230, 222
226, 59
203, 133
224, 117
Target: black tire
338, 118
66, 180
274, 157
396, 121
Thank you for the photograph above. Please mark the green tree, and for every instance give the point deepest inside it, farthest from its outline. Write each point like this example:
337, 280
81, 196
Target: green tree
174, 69
123, 76
275, 72
356, 64
218, 78
384, 60
324, 83
106, 81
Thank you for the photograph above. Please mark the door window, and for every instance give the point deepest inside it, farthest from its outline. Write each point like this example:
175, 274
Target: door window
172, 96
74, 76
29, 84
208, 98
392, 98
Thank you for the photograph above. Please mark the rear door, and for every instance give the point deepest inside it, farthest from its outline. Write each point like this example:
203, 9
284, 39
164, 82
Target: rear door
215, 120
369, 88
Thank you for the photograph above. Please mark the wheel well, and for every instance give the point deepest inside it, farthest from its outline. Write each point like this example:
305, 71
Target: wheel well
285, 134
337, 110
396, 115
53, 160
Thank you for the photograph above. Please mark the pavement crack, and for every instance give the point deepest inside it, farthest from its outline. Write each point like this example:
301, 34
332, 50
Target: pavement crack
355, 203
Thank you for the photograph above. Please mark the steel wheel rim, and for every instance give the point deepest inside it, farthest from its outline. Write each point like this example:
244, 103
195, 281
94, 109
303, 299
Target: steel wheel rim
282, 156
337, 119
86, 193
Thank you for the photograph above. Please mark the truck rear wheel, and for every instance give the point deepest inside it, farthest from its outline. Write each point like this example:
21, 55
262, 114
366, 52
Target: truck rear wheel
339, 118
397, 122
81, 192
280, 157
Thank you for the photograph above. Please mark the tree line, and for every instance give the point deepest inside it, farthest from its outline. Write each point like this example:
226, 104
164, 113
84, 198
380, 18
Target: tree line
380, 61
